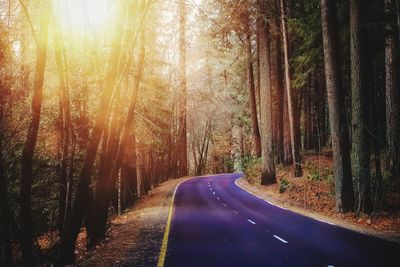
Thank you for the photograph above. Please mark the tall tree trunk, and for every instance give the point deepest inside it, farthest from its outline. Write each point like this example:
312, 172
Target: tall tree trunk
104, 195
258, 80
290, 99
306, 117
398, 20
31, 139
82, 192
340, 139
65, 125
182, 150
392, 91
287, 148
128, 171
277, 83
6, 257
252, 95
360, 157
267, 152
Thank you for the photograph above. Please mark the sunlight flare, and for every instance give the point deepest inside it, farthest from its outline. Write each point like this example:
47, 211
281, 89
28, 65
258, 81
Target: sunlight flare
84, 15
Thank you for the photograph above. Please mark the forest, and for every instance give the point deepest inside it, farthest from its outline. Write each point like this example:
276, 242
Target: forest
101, 101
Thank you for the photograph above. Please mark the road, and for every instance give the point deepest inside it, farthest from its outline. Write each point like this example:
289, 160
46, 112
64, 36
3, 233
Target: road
215, 223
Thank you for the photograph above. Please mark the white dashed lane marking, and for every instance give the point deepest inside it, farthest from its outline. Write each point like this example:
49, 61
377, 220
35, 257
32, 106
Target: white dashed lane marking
234, 211
223, 204
280, 239
218, 198
213, 193
250, 221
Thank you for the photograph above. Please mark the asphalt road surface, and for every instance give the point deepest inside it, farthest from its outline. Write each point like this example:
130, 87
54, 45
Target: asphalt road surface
215, 223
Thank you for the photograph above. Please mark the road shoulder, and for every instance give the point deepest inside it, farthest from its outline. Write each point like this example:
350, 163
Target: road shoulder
135, 238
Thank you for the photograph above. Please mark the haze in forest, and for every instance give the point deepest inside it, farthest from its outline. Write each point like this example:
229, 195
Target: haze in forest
107, 108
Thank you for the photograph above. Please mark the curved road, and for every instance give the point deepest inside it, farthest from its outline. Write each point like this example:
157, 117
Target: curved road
215, 223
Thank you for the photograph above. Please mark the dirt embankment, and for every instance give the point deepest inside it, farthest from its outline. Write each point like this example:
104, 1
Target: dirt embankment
313, 195
134, 238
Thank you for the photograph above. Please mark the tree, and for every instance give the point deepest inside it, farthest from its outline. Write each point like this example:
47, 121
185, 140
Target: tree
267, 152
64, 125
344, 193
31, 139
103, 192
290, 98
360, 147
277, 83
182, 150
73, 226
251, 89
392, 91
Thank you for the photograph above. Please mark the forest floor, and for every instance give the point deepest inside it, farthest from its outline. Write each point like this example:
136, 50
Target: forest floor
134, 238
313, 195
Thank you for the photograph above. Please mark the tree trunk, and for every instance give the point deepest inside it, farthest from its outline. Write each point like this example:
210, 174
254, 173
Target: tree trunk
258, 80
392, 92
31, 139
182, 149
340, 142
277, 83
267, 152
360, 157
398, 20
6, 257
252, 96
290, 100
64, 127
81, 196
117, 151
287, 149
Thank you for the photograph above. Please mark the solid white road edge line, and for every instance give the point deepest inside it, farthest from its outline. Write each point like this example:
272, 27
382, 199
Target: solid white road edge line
275, 205
327, 223
280, 239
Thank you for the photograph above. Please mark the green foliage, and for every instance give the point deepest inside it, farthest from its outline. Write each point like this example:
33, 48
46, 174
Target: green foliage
317, 173
252, 170
305, 26
248, 160
283, 185
228, 163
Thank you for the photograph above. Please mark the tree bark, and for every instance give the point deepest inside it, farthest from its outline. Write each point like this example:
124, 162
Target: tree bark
344, 193
267, 152
290, 99
287, 148
360, 157
392, 92
31, 139
277, 83
252, 96
64, 127
182, 150
6, 257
